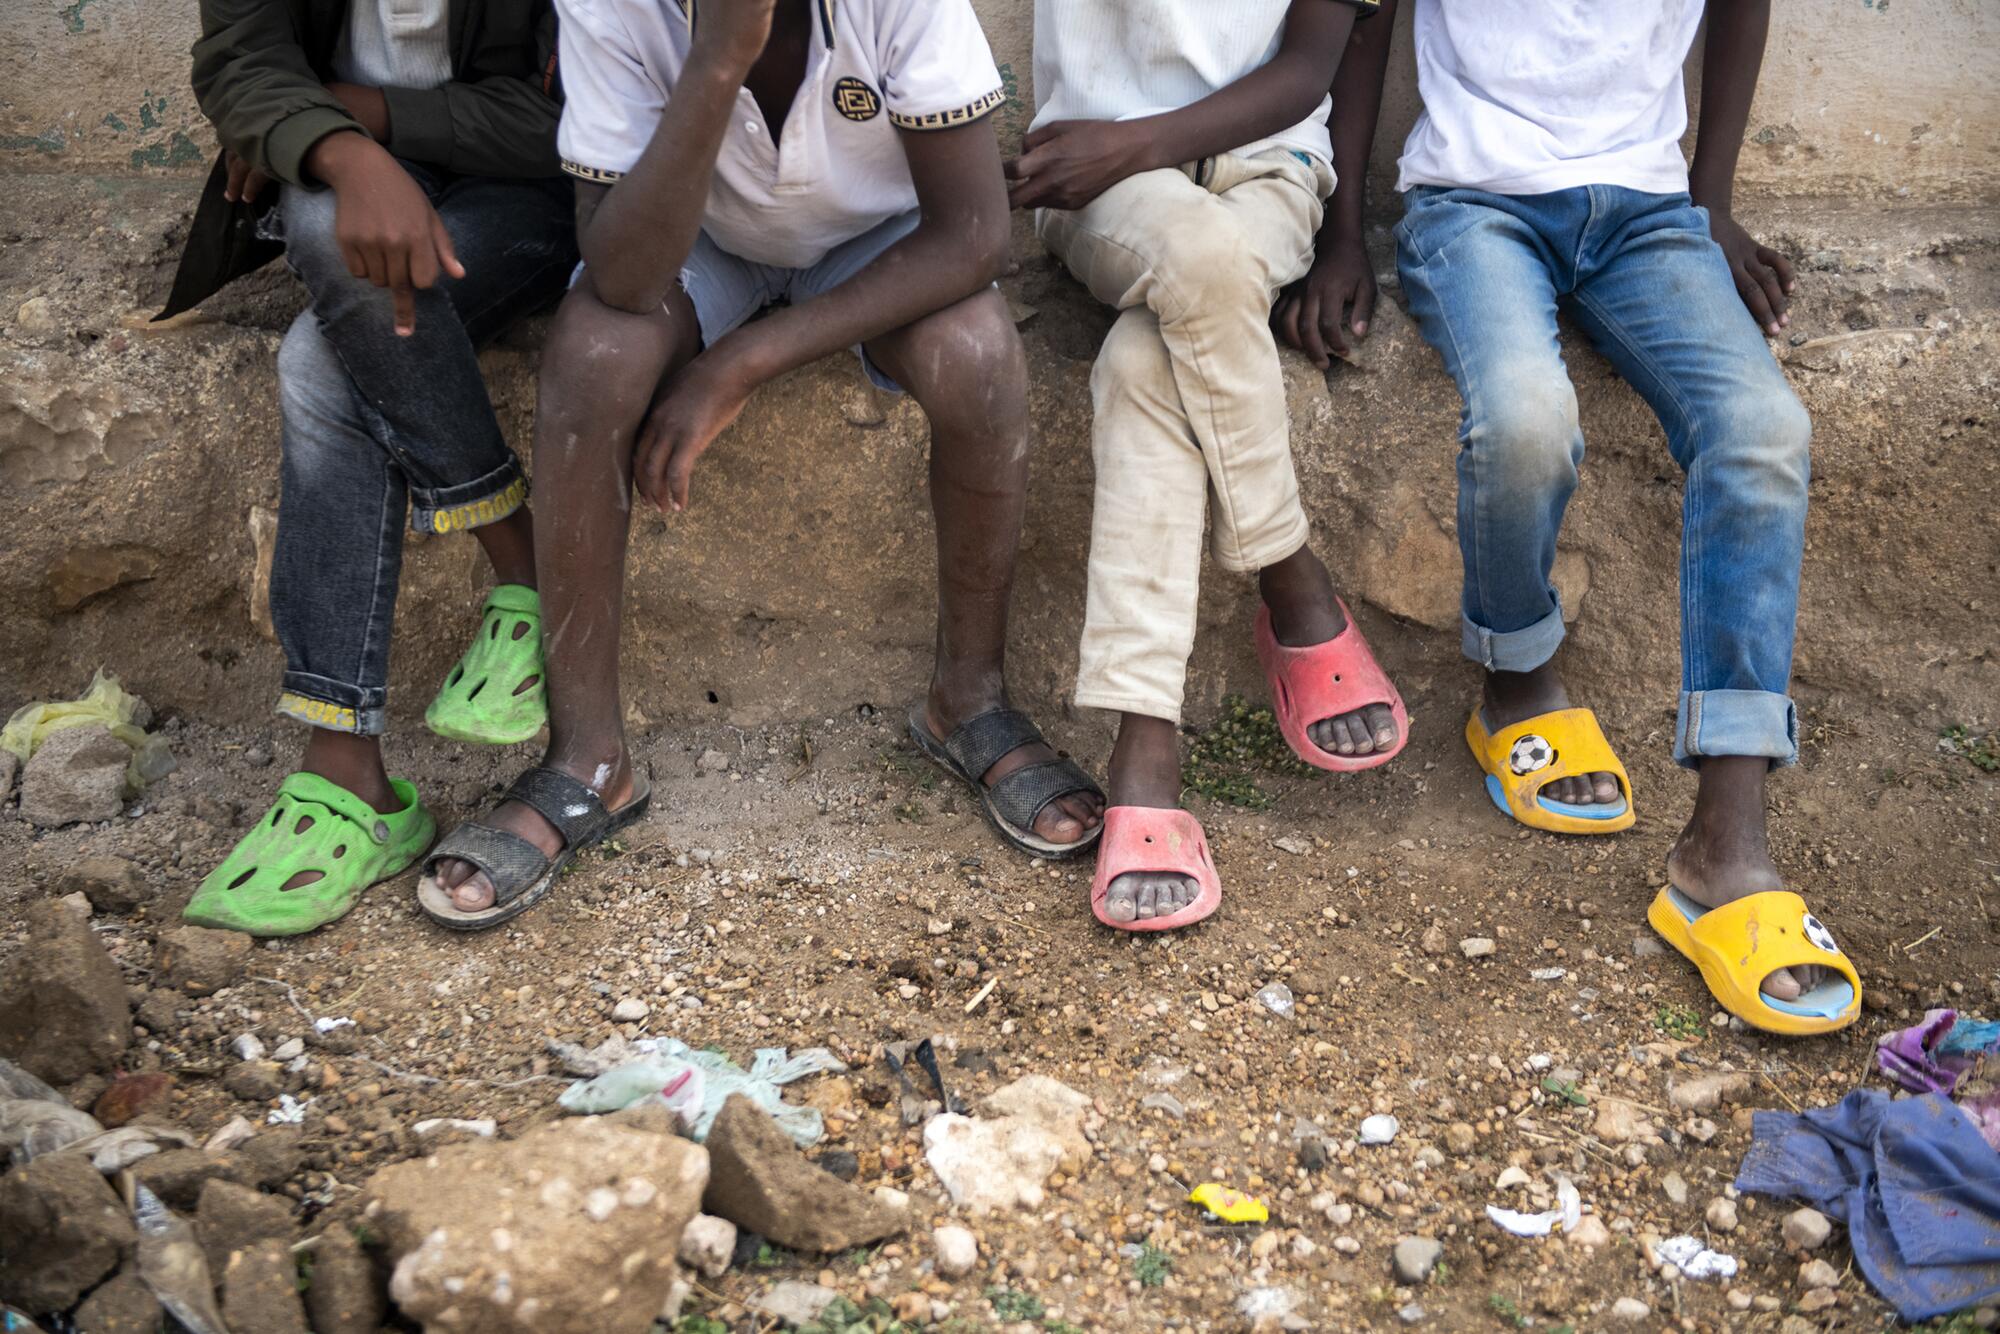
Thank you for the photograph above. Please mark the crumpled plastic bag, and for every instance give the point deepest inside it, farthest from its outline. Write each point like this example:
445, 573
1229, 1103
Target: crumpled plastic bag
105, 702
173, 1265
772, 1068
35, 1119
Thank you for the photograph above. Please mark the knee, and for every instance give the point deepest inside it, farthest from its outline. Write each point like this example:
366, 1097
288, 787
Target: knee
1209, 262
1765, 441
1526, 437
599, 369
967, 369
312, 244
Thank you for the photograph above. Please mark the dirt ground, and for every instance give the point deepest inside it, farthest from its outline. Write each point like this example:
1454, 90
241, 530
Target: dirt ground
828, 888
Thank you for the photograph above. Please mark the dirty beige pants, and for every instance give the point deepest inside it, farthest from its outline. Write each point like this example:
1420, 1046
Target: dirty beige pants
1189, 401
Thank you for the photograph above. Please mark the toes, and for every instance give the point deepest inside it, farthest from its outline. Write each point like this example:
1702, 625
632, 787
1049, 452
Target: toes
1057, 825
1382, 721
1343, 741
1606, 786
1781, 985
1121, 902
474, 895
1149, 898
1362, 734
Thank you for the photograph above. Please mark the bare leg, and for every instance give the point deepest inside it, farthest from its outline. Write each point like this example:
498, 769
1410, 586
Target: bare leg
1146, 771
1724, 852
1304, 612
509, 544
965, 367
600, 369
1513, 696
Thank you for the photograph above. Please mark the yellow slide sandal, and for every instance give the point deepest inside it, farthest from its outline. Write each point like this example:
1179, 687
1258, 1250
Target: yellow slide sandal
1523, 759
1740, 944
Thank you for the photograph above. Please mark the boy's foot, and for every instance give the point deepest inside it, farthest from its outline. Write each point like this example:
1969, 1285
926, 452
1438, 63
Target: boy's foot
610, 779
1146, 771
1512, 697
1304, 612
352, 762
1070, 818
1723, 853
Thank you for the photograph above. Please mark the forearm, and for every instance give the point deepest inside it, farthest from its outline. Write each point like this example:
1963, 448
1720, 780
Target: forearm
1357, 104
926, 271
1731, 56
642, 232
1272, 98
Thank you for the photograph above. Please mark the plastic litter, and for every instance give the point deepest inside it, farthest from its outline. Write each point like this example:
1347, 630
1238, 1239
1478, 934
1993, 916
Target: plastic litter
914, 1108
1164, 1102
114, 1150
1693, 1259
18, 1083
1549, 974
13, 1321
326, 1024
1229, 1205
769, 1071
1380, 1129
675, 1085
105, 702
484, 1127
231, 1135
30, 1127
1277, 998
1567, 1213
289, 1111
173, 1265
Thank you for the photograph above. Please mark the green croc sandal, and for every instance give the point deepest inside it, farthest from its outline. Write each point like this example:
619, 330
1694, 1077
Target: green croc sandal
315, 825
483, 700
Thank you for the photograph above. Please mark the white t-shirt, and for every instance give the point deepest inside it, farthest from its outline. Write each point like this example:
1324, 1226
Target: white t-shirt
1122, 59
876, 67
1523, 97
396, 44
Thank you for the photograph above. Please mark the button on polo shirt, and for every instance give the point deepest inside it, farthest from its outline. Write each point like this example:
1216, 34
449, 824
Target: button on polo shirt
876, 67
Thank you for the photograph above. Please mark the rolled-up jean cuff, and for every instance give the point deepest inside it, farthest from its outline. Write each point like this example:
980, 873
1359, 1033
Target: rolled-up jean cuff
1736, 722
1520, 650
455, 509
332, 705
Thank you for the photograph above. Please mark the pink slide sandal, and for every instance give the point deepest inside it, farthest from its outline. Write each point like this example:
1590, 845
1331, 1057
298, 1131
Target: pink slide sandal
1147, 838
1321, 681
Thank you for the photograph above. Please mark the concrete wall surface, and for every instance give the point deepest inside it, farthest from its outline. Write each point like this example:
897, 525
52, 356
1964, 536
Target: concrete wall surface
1867, 98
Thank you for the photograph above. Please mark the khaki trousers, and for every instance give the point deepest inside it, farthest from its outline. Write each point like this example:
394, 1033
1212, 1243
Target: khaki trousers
1189, 402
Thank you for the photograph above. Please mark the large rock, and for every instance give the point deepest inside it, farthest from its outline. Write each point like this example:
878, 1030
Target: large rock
179, 1176
571, 1229
345, 1297
760, 1181
112, 884
125, 1305
260, 1290
63, 1008
61, 1230
990, 1165
232, 1218
1053, 1105
77, 774
198, 960
10, 767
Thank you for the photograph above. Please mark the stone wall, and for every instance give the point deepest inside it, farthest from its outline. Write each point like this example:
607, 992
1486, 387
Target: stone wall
138, 465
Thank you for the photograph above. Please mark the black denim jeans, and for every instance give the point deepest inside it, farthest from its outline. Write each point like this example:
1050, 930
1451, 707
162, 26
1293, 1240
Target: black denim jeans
376, 424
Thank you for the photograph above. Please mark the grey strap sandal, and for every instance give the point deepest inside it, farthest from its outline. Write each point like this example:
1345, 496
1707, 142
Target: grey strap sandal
1012, 804
521, 873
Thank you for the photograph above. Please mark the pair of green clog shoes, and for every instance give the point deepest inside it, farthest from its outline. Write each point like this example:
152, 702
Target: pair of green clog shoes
494, 696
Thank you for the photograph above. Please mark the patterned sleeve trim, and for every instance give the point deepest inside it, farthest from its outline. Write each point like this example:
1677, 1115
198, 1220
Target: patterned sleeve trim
597, 174
947, 120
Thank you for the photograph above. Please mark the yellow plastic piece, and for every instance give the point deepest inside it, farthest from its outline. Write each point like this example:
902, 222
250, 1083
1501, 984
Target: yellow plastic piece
1231, 1206
1578, 747
1744, 941
105, 702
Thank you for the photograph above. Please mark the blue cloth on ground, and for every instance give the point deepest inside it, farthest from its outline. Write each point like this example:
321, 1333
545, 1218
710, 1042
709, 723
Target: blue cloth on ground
1917, 1186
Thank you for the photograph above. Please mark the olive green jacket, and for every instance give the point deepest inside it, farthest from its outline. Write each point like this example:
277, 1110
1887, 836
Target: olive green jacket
260, 71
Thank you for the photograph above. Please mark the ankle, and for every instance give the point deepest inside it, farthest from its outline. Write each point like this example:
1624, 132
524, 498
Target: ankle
963, 690
1145, 767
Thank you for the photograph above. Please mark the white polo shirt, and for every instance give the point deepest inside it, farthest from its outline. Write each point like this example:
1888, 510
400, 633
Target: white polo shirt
875, 67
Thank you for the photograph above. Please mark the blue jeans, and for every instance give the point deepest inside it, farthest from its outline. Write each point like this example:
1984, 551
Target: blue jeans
1639, 274
376, 424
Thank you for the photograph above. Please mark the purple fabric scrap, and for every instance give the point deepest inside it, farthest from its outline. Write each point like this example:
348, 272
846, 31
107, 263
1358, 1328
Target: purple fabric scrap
1931, 1057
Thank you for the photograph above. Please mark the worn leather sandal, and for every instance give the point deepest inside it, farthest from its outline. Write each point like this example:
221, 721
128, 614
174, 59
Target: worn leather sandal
521, 873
